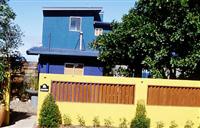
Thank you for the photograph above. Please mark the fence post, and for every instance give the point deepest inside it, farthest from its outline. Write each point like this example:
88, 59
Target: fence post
141, 90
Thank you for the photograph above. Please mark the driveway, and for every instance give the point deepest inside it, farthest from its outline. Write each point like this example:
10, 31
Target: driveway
22, 115
28, 122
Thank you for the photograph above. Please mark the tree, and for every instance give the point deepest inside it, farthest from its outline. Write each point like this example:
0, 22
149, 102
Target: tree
178, 25
10, 35
10, 40
159, 35
125, 45
50, 116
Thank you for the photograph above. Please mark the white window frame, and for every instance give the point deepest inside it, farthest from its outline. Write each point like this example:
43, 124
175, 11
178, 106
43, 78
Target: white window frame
70, 23
98, 31
74, 66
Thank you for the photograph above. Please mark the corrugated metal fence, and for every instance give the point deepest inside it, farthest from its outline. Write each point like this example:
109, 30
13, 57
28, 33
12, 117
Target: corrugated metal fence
123, 94
173, 96
93, 92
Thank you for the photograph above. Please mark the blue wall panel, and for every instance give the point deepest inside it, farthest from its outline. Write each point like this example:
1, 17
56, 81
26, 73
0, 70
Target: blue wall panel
88, 31
42, 68
93, 71
59, 69
56, 69
56, 32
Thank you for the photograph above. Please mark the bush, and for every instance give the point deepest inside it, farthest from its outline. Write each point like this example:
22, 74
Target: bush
123, 123
108, 123
67, 120
160, 124
140, 120
81, 121
96, 122
189, 124
173, 124
50, 116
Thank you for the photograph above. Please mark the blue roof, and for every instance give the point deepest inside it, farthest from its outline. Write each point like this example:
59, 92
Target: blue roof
59, 51
73, 11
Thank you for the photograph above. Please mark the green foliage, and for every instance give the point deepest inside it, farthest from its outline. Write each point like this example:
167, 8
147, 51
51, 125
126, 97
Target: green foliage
67, 120
161, 36
121, 71
10, 35
189, 124
96, 121
123, 123
10, 40
33, 82
50, 116
140, 120
2, 78
107, 123
2, 72
160, 124
173, 124
81, 120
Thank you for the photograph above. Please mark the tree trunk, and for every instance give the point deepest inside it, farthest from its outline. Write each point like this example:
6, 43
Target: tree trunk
172, 73
130, 70
138, 71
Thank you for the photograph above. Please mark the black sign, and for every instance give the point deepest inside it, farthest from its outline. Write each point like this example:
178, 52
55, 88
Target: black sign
44, 88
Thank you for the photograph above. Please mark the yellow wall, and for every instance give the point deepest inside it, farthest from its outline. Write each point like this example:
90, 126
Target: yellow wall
6, 97
7, 101
165, 114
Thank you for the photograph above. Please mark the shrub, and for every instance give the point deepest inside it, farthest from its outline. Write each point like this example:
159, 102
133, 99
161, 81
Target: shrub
96, 122
50, 116
108, 123
67, 120
173, 124
140, 120
159, 124
81, 120
189, 124
123, 123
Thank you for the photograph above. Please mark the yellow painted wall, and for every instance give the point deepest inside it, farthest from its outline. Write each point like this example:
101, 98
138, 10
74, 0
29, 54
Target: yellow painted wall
7, 100
165, 114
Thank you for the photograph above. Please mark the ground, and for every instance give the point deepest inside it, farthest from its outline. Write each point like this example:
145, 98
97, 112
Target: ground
23, 114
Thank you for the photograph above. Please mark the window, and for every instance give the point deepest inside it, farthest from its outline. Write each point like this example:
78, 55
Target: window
73, 69
98, 31
75, 24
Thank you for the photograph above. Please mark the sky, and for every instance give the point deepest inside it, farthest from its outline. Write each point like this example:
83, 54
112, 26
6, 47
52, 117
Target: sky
30, 18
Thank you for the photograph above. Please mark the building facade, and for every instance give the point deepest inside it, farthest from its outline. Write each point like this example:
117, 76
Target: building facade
67, 34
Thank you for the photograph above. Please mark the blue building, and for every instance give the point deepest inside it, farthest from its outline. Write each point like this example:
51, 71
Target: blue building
67, 33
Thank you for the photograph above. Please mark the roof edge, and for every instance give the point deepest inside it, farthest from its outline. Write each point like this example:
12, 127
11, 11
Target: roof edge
71, 8
58, 51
